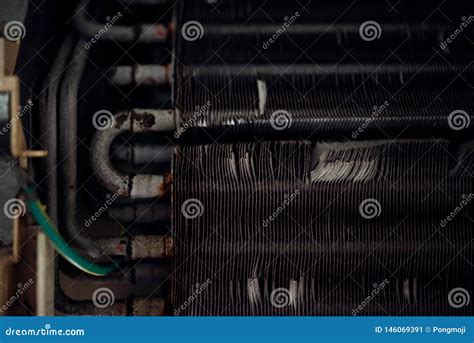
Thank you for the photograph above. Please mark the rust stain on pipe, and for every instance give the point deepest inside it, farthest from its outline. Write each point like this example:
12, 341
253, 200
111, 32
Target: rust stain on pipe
167, 182
144, 120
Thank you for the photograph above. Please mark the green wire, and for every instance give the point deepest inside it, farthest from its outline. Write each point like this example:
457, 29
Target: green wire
62, 247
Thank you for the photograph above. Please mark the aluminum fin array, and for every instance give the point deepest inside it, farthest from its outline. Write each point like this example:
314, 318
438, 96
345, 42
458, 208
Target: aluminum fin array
291, 228
329, 66
271, 220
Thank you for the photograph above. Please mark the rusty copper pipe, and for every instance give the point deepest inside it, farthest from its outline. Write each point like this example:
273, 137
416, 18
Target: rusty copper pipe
113, 31
141, 75
134, 121
140, 247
